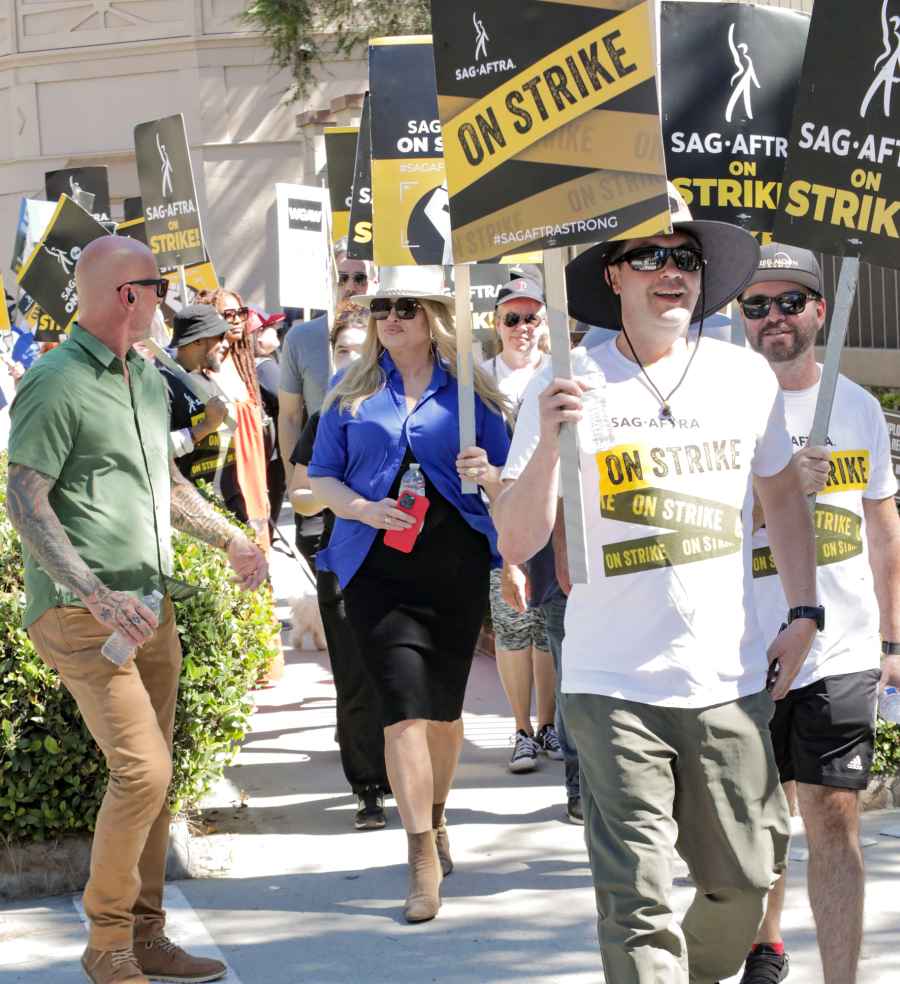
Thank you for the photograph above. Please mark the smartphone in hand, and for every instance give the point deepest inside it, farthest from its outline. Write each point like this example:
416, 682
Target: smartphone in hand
405, 540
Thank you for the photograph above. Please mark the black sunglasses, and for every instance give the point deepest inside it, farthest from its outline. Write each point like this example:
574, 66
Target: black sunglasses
790, 302
358, 278
160, 283
406, 307
511, 319
236, 314
649, 259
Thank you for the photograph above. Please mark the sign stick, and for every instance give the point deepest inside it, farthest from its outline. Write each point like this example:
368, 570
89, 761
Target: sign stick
837, 332
738, 333
569, 456
183, 276
465, 371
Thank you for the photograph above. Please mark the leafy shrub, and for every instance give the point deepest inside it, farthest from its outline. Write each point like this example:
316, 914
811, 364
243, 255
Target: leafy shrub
52, 776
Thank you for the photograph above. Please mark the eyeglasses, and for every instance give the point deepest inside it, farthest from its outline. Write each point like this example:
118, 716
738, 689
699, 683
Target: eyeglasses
160, 283
790, 302
649, 259
511, 319
233, 315
406, 307
358, 278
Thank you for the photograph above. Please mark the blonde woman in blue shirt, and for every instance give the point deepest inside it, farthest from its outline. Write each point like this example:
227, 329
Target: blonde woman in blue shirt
416, 616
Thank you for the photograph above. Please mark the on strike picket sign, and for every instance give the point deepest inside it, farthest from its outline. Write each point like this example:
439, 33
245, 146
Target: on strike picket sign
550, 123
199, 276
841, 191
729, 80
49, 273
174, 231
340, 154
409, 187
359, 235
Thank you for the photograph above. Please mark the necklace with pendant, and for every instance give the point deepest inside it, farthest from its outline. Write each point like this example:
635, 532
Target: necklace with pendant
665, 409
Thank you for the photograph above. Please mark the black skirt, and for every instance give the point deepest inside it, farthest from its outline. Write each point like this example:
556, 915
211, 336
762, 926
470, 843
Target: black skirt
417, 616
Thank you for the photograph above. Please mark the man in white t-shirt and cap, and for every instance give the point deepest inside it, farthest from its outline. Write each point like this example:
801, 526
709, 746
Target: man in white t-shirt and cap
665, 666
824, 730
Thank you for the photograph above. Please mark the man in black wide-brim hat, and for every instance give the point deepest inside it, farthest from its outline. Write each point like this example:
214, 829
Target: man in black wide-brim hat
667, 678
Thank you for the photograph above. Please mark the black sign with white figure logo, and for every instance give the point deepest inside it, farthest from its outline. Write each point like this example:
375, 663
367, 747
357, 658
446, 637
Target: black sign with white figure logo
86, 186
49, 274
359, 235
841, 191
171, 210
729, 79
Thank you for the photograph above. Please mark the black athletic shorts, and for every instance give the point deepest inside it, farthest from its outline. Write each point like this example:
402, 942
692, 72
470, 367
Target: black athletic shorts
824, 733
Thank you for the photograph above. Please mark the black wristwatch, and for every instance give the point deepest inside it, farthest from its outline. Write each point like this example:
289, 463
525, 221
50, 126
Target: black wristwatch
890, 648
814, 612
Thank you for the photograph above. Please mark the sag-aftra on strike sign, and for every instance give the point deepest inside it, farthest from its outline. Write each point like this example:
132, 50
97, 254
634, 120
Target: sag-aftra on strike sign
550, 123
841, 189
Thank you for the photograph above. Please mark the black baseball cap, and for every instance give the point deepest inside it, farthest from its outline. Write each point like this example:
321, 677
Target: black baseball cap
196, 321
779, 261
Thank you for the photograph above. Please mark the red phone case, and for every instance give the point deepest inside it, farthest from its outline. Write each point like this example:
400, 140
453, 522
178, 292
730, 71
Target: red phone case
405, 540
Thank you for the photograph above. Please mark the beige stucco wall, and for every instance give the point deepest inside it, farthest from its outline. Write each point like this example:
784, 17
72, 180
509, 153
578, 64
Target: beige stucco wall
76, 75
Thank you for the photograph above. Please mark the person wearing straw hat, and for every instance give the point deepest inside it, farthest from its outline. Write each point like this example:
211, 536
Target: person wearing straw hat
824, 729
416, 615
664, 664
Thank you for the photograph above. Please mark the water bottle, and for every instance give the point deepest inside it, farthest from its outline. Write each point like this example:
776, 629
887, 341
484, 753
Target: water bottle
117, 648
413, 480
594, 431
889, 705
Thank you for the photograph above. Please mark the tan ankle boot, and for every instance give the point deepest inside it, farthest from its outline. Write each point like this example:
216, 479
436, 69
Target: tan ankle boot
425, 876
441, 837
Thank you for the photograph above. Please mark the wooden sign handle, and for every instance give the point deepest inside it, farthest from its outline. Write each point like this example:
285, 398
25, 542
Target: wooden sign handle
465, 370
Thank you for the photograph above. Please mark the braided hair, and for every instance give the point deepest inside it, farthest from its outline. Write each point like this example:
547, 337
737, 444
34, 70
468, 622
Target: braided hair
240, 351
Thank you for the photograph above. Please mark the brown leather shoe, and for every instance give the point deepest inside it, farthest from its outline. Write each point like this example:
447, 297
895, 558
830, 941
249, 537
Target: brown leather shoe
441, 837
112, 967
161, 960
424, 898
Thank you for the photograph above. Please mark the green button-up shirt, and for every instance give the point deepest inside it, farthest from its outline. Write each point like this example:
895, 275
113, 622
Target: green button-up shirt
104, 441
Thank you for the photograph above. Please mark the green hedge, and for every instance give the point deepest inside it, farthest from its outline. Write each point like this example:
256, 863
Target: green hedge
52, 776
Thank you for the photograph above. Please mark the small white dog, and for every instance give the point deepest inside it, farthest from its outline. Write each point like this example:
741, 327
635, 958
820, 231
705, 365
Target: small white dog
306, 620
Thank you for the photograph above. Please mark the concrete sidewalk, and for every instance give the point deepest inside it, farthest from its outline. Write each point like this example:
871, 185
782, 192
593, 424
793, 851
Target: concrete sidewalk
308, 899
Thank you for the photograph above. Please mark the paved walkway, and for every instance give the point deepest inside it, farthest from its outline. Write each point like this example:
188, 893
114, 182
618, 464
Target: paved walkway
308, 900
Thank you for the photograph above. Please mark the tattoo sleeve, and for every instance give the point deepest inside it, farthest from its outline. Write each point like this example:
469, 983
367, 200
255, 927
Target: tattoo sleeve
192, 514
30, 512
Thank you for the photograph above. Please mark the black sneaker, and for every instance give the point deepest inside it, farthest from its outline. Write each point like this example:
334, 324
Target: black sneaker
524, 756
574, 811
370, 810
765, 966
548, 742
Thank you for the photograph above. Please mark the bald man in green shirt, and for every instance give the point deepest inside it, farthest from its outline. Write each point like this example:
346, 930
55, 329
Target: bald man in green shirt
94, 496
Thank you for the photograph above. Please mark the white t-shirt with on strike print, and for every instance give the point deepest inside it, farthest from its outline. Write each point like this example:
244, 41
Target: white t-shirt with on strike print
860, 469
669, 616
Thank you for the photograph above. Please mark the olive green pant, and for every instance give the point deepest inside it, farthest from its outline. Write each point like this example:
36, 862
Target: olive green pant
130, 712
699, 782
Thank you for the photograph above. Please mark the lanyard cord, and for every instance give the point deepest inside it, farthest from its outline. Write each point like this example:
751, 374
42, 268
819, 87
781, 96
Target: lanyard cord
665, 410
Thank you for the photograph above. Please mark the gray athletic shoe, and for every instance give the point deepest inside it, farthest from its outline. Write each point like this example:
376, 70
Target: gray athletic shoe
525, 753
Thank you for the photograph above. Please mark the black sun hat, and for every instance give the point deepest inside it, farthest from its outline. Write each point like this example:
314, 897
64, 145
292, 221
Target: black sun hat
730, 254
196, 321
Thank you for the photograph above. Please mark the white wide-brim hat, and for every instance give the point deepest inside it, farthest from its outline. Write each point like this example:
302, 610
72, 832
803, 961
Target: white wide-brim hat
425, 283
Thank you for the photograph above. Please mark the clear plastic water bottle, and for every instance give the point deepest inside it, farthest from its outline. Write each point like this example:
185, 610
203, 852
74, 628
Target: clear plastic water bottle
413, 480
117, 648
889, 705
594, 431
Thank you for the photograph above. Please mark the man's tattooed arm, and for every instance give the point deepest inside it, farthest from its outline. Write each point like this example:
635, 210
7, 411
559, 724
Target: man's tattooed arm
30, 512
192, 514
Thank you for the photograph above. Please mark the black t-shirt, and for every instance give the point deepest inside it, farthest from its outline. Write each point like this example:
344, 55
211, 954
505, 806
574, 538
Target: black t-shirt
185, 410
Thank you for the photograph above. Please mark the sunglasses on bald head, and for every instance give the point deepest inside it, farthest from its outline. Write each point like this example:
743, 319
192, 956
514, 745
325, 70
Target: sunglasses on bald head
790, 302
512, 318
159, 283
650, 258
360, 279
406, 307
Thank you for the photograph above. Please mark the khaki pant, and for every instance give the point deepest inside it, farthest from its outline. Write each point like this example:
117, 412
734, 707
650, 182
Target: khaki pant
702, 782
130, 712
